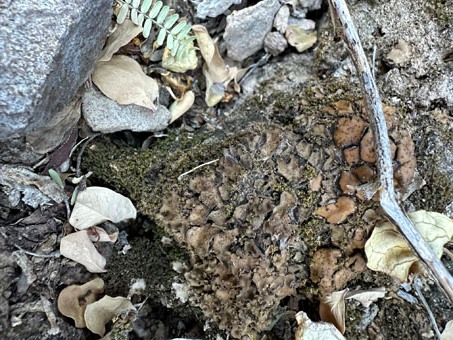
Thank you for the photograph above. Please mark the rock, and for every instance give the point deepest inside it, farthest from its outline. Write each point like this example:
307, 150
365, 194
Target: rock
105, 115
400, 54
311, 5
47, 50
281, 19
305, 24
246, 29
213, 8
275, 43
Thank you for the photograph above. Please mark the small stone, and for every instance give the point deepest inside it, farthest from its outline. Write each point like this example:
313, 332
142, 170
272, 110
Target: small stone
105, 115
275, 43
311, 5
305, 24
281, 19
213, 8
246, 29
400, 54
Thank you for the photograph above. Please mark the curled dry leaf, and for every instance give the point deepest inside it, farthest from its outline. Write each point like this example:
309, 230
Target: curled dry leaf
217, 74
188, 62
366, 297
181, 106
299, 38
79, 247
122, 35
122, 79
309, 330
99, 313
333, 309
95, 205
74, 299
388, 251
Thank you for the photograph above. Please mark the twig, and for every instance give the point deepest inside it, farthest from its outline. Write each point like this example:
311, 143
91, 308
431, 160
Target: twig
197, 167
418, 289
387, 199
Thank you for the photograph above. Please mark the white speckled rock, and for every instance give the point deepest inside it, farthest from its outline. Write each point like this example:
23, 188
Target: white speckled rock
246, 29
47, 49
105, 115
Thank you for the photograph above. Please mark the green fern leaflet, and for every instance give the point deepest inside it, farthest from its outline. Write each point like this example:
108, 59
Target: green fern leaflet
147, 14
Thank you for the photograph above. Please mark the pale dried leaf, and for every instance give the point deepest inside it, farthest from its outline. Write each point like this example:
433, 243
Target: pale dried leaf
95, 205
123, 35
332, 309
366, 297
387, 251
99, 313
122, 79
309, 330
100, 235
217, 74
181, 106
447, 334
299, 38
78, 247
188, 62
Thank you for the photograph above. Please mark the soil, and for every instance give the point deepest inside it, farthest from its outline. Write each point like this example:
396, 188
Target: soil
277, 95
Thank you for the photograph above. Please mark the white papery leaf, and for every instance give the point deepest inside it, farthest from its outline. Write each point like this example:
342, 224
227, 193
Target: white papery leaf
78, 247
95, 205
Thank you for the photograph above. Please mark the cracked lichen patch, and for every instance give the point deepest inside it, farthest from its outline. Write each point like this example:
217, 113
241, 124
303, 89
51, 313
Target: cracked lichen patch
247, 220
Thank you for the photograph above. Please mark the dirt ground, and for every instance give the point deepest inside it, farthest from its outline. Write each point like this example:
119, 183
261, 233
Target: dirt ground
283, 99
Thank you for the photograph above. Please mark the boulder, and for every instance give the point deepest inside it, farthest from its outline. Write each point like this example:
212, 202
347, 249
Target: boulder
47, 50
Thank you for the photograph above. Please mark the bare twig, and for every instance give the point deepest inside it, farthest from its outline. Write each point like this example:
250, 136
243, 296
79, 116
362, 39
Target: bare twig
418, 289
197, 167
388, 199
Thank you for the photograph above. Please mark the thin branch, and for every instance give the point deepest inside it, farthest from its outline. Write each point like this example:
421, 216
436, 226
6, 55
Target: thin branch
388, 199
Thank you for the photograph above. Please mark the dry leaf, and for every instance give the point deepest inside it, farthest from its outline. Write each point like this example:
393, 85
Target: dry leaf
181, 106
188, 62
95, 205
366, 297
387, 251
447, 334
299, 38
99, 313
122, 79
78, 247
309, 330
217, 74
122, 35
332, 309
97, 234
74, 299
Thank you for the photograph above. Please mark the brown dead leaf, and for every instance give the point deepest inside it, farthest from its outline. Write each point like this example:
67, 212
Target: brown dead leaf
309, 330
123, 80
79, 247
217, 74
95, 205
123, 34
387, 250
99, 313
74, 299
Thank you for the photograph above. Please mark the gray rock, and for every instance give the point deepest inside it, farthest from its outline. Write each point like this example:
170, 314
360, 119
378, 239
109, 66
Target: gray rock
311, 5
246, 29
213, 8
47, 49
105, 115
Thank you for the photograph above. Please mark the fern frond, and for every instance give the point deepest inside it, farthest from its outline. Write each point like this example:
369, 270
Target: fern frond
145, 13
